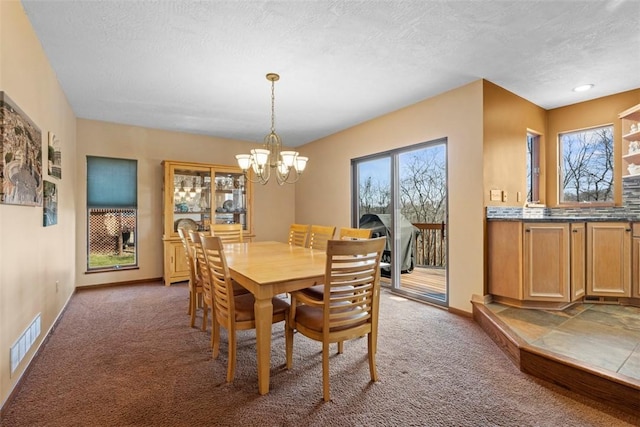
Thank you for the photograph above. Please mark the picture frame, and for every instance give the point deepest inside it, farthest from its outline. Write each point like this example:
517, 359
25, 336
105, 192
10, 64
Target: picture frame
54, 164
20, 156
50, 206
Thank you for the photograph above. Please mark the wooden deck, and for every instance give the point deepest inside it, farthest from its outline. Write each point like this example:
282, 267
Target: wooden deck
423, 281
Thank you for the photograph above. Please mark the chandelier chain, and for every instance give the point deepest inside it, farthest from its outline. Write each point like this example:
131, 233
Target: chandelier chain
273, 108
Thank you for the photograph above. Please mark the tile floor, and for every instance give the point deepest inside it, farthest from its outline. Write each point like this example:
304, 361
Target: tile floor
603, 335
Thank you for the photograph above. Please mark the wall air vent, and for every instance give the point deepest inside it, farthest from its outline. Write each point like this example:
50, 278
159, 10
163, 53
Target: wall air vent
23, 344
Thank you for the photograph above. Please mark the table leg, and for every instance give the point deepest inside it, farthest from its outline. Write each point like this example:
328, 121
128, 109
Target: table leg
264, 313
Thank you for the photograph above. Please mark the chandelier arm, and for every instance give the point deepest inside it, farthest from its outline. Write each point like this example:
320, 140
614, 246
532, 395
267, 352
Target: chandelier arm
297, 177
262, 178
281, 179
284, 179
246, 177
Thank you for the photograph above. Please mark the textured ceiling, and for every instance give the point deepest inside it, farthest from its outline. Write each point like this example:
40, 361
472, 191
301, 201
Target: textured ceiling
199, 66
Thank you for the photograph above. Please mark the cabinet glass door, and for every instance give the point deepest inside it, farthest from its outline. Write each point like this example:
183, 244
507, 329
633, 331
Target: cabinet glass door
192, 199
230, 199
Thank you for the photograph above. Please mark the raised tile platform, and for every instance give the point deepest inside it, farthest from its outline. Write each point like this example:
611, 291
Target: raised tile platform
592, 349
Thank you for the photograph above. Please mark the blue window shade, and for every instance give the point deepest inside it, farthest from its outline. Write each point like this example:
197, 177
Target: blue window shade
112, 183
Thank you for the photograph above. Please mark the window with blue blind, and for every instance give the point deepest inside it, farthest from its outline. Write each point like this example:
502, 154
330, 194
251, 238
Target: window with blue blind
112, 201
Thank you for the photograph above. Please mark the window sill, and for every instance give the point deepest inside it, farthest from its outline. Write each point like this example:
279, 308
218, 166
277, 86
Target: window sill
587, 205
111, 269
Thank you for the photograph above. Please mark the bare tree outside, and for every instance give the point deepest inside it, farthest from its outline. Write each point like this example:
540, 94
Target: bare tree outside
375, 196
423, 185
587, 165
374, 187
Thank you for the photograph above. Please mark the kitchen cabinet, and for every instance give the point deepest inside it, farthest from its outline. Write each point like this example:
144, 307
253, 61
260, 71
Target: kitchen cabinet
608, 259
546, 262
578, 260
536, 263
504, 259
631, 141
195, 195
635, 261
553, 263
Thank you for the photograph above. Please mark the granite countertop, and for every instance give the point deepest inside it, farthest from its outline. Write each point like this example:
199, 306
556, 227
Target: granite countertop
569, 219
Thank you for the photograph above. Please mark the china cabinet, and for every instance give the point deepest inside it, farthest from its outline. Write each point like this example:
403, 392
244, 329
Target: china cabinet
195, 195
631, 141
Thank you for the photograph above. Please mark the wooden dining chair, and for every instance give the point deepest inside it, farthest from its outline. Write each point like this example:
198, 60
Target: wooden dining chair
234, 312
319, 236
195, 242
195, 284
350, 304
348, 233
228, 233
298, 234
318, 239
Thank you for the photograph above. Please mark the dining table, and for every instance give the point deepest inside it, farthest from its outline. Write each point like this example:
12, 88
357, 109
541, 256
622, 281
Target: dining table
268, 269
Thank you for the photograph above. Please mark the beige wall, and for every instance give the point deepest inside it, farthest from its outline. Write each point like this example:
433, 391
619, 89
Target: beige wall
601, 111
507, 118
273, 205
323, 195
32, 257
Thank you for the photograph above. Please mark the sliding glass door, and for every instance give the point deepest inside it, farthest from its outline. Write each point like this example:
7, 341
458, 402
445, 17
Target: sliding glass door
374, 204
402, 194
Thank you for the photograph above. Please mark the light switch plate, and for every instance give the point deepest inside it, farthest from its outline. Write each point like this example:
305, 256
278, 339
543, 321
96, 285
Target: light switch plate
495, 195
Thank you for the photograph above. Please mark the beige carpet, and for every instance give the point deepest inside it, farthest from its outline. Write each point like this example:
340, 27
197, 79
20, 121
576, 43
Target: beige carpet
125, 356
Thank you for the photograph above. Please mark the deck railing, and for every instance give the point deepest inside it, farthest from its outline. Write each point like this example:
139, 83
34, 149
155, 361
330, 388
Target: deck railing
430, 245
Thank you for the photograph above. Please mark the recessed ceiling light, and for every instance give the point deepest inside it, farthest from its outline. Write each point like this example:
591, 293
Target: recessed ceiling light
582, 88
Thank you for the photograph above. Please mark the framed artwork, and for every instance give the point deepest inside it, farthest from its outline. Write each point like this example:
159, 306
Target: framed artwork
50, 207
20, 156
55, 156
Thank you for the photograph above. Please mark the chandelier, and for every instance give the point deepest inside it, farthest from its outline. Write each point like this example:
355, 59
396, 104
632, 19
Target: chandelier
287, 166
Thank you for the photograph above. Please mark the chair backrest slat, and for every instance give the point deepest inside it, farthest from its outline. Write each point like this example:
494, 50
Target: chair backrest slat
188, 253
228, 233
348, 233
201, 265
320, 235
298, 234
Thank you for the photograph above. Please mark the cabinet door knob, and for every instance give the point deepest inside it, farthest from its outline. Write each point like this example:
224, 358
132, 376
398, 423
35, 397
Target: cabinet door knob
627, 229
527, 231
575, 231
